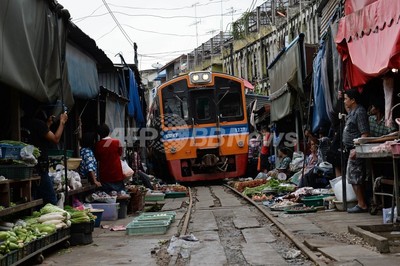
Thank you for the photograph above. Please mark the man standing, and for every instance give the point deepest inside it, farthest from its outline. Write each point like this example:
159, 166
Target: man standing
356, 126
108, 153
42, 137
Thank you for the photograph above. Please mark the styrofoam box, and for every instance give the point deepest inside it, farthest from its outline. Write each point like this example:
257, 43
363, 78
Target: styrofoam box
110, 210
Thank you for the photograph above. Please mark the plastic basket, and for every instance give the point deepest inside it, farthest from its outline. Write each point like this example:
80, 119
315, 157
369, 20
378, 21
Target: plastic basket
53, 152
82, 227
16, 171
154, 197
147, 228
136, 202
29, 248
174, 194
157, 216
8, 151
110, 210
314, 201
98, 213
10, 258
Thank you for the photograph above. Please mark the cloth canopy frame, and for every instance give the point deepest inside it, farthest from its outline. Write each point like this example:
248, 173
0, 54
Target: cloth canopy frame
286, 79
369, 41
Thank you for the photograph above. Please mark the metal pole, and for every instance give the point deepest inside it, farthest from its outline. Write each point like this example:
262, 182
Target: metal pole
342, 159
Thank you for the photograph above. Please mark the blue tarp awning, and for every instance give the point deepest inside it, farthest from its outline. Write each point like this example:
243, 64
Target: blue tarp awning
161, 75
82, 74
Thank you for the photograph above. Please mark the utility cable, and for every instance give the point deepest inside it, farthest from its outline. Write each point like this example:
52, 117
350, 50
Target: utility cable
118, 24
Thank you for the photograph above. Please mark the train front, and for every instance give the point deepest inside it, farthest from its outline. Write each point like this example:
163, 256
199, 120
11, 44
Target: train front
204, 129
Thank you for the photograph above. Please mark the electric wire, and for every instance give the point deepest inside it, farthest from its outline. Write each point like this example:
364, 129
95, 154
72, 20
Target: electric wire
118, 24
147, 15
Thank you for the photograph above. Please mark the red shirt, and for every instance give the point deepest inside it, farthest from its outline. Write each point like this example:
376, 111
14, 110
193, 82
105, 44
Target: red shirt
265, 148
108, 152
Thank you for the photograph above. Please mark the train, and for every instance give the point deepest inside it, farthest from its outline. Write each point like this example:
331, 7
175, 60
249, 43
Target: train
201, 125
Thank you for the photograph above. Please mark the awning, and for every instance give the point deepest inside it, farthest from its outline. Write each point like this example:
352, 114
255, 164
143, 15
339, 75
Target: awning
31, 49
82, 74
368, 41
247, 84
161, 75
286, 79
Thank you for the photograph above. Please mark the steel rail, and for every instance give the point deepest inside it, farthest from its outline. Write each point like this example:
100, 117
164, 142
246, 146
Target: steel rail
308, 252
185, 225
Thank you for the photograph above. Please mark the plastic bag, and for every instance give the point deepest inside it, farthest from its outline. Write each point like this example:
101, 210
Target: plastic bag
126, 170
27, 155
336, 185
387, 213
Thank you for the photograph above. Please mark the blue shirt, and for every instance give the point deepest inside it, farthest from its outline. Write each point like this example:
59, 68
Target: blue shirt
88, 163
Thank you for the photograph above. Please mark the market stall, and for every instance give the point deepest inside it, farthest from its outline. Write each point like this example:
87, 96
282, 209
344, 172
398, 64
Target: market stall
378, 151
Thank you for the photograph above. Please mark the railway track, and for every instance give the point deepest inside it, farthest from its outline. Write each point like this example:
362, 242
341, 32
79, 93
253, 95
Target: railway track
238, 231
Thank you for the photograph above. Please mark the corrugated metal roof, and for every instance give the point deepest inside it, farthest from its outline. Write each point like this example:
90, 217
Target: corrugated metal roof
82, 40
261, 100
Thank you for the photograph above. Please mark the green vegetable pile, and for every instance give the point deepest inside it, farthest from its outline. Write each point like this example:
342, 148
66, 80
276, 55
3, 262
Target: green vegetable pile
272, 184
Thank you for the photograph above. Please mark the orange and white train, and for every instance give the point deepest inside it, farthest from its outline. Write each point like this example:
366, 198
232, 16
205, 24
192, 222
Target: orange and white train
202, 128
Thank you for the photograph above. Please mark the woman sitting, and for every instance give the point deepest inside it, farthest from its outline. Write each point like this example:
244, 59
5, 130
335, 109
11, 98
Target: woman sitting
285, 157
310, 163
88, 166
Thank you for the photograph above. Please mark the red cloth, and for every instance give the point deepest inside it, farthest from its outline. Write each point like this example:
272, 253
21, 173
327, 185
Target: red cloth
369, 41
265, 149
351, 6
108, 152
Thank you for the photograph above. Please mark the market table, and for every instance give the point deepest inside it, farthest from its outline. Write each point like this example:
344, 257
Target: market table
365, 151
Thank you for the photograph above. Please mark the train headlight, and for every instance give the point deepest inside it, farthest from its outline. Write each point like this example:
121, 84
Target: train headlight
195, 77
240, 144
200, 77
173, 150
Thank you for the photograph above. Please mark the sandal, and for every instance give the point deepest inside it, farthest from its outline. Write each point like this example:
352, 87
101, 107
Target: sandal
357, 209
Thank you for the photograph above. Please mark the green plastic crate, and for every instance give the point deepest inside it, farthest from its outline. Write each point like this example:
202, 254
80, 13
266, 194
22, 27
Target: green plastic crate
154, 197
158, 215
147, 227
56, 153
16, 171
314, 200
174, 194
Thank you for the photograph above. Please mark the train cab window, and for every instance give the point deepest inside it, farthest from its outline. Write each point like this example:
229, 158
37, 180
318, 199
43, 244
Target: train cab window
203, 110
230, 105
177, 106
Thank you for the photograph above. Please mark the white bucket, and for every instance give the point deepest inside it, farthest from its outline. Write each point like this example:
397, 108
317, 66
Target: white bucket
336, 185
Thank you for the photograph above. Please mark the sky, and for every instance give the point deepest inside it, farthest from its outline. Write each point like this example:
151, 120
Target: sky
162, 29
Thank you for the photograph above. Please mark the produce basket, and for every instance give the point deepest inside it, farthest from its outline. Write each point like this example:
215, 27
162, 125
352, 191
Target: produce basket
154, 197
295, 210
147, 228
169, 215
73, 163
8, 151
314, 200
56, 153
173, 194
16, 171
10, 258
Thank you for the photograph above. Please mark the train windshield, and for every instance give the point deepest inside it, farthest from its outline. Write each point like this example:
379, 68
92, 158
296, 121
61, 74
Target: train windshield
203, 106
176, 106
230, 105
175, 100
229, 99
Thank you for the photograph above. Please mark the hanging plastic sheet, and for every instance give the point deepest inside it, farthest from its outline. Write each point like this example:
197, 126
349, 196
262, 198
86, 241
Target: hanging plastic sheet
134, 106
320, 115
